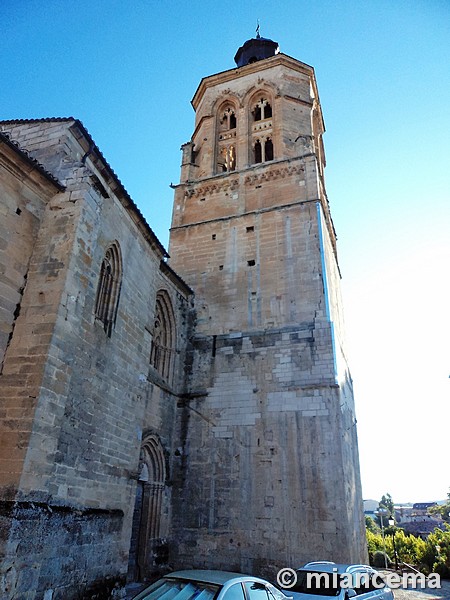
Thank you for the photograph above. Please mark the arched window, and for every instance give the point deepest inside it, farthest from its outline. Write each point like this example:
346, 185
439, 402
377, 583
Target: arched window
261, 149
258, 152
262, 110
227, 119
108, 290
268, 150
162, 352
262, 152
227, 161
226, 139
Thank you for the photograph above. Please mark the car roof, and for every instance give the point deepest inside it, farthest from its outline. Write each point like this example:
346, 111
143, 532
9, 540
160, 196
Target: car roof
210, 576
331, 567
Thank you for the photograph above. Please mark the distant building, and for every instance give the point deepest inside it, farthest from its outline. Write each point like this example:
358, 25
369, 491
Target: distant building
422, 507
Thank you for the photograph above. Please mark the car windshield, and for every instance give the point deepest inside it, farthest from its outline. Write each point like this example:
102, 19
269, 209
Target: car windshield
315, 582
179, 589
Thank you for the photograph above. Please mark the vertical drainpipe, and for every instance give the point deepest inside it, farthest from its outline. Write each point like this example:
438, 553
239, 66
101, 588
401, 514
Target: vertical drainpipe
325, 287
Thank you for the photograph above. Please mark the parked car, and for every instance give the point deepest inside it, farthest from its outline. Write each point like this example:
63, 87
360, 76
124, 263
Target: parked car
209, 585
317, 580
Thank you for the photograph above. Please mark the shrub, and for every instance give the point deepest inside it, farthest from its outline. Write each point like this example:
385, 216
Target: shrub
442, 568
409, 548
380, 559
436, 552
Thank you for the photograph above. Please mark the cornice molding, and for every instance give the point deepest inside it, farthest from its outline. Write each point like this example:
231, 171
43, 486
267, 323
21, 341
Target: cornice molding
256, 67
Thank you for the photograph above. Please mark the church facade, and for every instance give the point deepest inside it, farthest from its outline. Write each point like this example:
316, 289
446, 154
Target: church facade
190, 408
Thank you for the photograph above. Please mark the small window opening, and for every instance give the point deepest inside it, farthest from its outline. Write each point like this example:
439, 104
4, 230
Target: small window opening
18, 211
213, 237
251, 263
258, 152
228, 120
263, 152
202, 199
231, 159
227, 159
262, 110
249, 229
220, 267
268, 150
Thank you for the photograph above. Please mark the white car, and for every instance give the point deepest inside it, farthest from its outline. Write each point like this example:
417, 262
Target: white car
319, 580
210, 585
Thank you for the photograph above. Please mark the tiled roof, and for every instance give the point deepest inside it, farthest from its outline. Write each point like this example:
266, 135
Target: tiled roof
95, 150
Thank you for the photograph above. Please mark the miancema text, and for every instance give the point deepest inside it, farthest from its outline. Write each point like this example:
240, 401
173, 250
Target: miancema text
335, 580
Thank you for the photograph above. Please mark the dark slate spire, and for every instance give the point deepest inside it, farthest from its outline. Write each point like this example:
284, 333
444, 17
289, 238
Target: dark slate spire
255, 49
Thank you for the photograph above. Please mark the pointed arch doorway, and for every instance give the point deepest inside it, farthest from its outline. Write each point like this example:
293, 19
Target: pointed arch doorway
147, 547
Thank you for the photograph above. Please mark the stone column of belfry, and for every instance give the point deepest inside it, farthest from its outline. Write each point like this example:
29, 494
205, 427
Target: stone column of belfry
271, 392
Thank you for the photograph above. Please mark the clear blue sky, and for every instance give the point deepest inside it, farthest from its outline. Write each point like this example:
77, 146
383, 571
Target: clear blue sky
128, 71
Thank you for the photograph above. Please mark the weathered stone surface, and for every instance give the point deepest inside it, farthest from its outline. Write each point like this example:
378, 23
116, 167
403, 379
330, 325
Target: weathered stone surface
79, 403
271, 475
198, 413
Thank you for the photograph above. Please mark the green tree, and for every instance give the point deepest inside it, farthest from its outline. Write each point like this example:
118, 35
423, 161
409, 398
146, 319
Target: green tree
443, 510
436, 553
371, 525
386, 504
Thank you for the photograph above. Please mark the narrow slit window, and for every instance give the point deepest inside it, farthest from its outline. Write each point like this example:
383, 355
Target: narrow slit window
268, 150
162, 354
108, 290
258, 152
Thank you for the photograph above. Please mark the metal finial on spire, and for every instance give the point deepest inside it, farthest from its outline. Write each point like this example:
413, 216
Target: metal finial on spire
257, 30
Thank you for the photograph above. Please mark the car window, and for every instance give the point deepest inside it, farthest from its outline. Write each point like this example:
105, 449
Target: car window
235, 592
316, 583
362, 582
256, 591
377, 581
274, 593
178, 589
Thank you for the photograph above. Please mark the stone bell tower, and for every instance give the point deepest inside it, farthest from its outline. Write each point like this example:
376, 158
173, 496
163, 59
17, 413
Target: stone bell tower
268, 472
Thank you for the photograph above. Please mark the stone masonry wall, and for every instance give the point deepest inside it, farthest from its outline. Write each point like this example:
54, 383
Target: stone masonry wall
25, 193
260, 481
268, 473
92, 399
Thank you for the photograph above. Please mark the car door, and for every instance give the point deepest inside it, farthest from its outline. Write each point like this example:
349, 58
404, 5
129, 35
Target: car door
256, 590
367, 585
